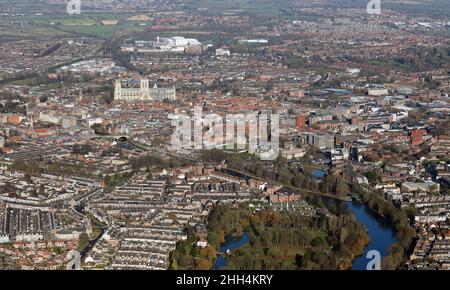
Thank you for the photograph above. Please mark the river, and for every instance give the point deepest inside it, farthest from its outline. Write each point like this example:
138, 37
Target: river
381, 234
231, 243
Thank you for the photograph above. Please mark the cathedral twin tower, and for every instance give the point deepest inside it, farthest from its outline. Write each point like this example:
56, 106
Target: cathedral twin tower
143, 92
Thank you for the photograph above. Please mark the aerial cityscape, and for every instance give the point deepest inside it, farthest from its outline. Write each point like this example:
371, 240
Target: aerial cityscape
224, 135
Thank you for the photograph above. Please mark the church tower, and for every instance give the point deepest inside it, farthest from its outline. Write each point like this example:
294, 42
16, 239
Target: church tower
80, 96
145, 92
118, 90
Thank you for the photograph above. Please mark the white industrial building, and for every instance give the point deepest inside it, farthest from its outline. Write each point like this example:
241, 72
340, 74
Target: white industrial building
175, 44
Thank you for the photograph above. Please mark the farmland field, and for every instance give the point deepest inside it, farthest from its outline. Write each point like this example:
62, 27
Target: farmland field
88, 24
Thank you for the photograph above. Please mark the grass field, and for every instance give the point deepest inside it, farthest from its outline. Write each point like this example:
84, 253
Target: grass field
94, 30
261, 8
88, 24
28, 32
62, 20
101, 31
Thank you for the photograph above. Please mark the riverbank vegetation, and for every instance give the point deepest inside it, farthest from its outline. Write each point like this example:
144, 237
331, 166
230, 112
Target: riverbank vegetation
278, 240
288, 174
189, 256
399, 218
302, 179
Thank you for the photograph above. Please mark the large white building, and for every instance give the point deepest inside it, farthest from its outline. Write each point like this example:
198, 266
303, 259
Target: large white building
143, 92
175, 44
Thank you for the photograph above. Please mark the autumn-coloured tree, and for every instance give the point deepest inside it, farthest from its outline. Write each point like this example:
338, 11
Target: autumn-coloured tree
244, 223
211, 253
204, 264
203, 252
276, 218
255, 220
221, 236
